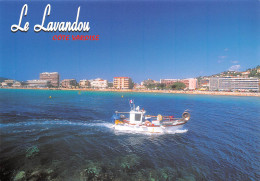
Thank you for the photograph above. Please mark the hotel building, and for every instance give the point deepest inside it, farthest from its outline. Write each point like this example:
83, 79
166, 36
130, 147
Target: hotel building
233, 84
9, 82
190, 84
69, 83
84, 83
123, 83
98, 83
54, 77
38, 83
168, 81
17, 84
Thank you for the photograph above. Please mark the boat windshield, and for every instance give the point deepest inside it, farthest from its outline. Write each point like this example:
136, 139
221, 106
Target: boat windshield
137, 117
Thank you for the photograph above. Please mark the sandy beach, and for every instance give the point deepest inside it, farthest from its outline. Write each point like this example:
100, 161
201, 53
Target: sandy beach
196, 92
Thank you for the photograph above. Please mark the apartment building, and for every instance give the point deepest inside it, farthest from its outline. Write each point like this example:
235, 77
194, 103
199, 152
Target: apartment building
53, 77
190, 83
69, 83
233, 84
98, 83
123, 83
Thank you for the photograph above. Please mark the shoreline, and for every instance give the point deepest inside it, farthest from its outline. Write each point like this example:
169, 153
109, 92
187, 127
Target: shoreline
251, 94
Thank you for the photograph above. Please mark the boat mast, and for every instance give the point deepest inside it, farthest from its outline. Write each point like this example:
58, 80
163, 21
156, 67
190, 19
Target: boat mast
132, 105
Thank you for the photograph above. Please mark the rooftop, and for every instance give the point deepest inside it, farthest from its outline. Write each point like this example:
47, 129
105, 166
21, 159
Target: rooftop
50, 73
120, 77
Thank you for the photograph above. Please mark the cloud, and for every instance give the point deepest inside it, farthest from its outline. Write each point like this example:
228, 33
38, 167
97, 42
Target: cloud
226, 49
234, 68
222, 57
234, 61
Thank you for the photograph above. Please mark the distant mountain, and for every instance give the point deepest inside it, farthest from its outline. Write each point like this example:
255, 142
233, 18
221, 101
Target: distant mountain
2, 79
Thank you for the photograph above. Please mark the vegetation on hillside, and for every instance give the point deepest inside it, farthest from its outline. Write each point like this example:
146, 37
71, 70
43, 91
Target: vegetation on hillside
253, 72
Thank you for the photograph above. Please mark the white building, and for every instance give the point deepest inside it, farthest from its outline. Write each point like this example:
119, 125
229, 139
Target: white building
8, 82
98, 83
193, 83
4, 84
233, 84
17, 84
84, 83
38, 83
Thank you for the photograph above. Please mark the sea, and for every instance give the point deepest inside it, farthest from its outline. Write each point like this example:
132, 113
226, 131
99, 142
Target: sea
68, 135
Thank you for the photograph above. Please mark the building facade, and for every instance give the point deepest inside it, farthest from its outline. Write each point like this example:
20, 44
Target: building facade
204, 84
123, 83
149, 81
9, 82
4, 84
193, 84
54, 77
233, 84
98, 83
17, 84
190, 83
245, 74
38, 83
69, 83
84, 83
168, 82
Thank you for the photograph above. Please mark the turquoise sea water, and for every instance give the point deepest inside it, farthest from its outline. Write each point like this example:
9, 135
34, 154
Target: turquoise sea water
70, 137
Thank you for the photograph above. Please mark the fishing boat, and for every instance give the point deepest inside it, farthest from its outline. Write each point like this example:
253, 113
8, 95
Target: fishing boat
138, 121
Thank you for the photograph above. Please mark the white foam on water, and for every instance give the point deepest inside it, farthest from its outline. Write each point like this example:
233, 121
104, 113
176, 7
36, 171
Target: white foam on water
58, 122
178, 131
98, 123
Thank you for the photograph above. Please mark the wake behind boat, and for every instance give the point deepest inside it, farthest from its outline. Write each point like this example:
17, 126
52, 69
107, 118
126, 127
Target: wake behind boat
138, 121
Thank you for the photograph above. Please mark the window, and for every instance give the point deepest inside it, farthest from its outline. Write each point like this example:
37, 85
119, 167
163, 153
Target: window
137, 117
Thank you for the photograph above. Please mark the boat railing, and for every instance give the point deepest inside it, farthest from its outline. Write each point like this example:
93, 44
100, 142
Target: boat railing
164, 118
122, 112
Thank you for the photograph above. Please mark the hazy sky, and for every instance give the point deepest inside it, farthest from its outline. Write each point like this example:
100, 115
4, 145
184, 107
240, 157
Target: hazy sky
140, 39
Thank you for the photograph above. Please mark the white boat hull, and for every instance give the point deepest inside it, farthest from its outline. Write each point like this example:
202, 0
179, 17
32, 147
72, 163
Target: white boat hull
148, 129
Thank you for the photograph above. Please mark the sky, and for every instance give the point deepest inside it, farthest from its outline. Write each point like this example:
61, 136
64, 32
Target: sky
138, 39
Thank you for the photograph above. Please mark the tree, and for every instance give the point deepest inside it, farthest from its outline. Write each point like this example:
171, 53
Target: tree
150, 86
161, 86
177, 86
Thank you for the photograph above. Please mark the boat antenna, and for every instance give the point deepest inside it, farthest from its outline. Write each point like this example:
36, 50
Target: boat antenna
132, 104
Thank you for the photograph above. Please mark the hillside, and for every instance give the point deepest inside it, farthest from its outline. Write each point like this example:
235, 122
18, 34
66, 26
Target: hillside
2, 79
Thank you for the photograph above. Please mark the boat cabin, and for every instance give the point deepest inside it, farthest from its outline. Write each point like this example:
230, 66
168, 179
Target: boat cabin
136, 117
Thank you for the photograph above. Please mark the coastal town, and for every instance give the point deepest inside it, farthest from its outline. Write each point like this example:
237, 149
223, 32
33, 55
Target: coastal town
228, 81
